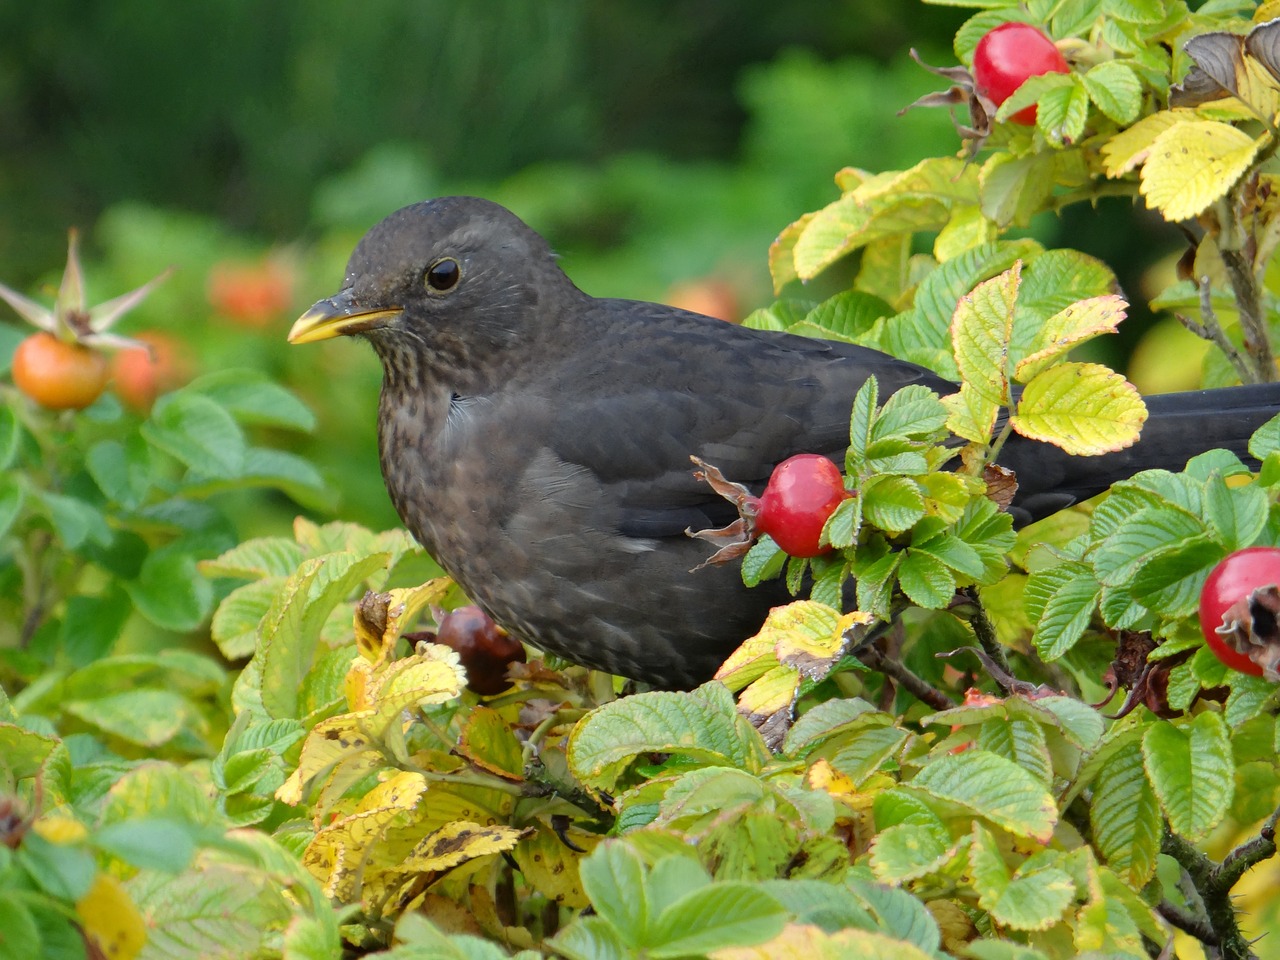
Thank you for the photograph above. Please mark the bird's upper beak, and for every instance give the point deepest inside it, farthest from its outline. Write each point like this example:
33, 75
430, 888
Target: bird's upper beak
338, 316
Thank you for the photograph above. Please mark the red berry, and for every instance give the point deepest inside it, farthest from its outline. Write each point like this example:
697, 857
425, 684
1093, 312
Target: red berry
58, 374
484, 648
1227, 597
802, 493
1008, 55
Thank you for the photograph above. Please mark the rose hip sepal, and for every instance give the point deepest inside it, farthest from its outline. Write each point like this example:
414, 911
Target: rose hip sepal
802, 493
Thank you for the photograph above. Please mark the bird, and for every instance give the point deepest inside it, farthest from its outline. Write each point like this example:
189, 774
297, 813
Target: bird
536, 440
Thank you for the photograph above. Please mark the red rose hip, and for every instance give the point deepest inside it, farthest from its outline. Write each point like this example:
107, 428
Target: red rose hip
1007, 56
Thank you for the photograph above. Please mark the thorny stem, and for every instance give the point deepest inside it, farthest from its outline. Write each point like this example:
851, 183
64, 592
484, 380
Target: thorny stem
1245, 287
913, 684
985, 631
1213, 882
1188, 922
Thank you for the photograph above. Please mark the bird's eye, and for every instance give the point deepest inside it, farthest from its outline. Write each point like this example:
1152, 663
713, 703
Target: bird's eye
443, 275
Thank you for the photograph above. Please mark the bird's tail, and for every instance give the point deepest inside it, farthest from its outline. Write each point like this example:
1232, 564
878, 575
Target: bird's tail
1179, 427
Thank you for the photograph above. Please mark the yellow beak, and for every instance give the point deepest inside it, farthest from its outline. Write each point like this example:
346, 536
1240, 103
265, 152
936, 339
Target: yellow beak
337, 316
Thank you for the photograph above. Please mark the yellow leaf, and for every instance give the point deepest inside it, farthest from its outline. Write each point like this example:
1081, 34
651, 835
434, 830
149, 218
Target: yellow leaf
966, 229
770, 695
60, 830
1068, 328
1084, 408
111, 919
971, 415
551, 867
894, 202
1129, 148
980, 330
458, 842
782, 260
329, 742
754, 658
380, 617
1193, 164
807, 942
434, 674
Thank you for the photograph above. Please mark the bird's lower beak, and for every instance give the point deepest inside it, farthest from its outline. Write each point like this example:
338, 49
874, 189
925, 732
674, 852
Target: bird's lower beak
338, 316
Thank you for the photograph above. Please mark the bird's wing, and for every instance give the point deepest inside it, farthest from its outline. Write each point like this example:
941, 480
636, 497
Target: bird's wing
660, 376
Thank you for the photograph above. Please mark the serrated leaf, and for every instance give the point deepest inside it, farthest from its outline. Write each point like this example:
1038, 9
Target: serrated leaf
1062, 112
148, 718
235, 623
1077, 324
1237, 514
970, 414
198, 433
703, 724
169, 592
1125, 816
1014, 189
926, 580
256, 558
980, 332
1130, 148
994, 788
714, 917
1116, 89
892, 503
913, 411
845, 317
842, 527
763, 561
74, 520
1192, 164
1019, 740
1067, 612
908, 851
124, 473
1084, 408
891, 203
861, 418
1034, 898
1191, 769
1122, 551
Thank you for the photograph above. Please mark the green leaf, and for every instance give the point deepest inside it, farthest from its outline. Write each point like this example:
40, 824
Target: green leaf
842, 527
1237, 514
169, 591
1122, 552
908, 851
1116, 89
21, 938
1067, 611
914, 411
994, 788
861, 751
123, 471
235, 623
892, 503
613, 877
12, 498
91, 625
252, 559
1034, 898
197, 432
926, 580
1062, 112
980, 332
1190, 766
845, 317
1022, 741
290, 632
726, 914
1014, 189
149, 718
22, 752
899, 914
254, 399
591, 938
763, 561
63, 871
1031, 91
74, 520
1266, 439
1125, 816
861, 419
1084, 408
702, 725
10, 436
149, 844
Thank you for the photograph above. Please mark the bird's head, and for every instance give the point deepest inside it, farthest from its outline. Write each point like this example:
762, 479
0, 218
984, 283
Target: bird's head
443, 285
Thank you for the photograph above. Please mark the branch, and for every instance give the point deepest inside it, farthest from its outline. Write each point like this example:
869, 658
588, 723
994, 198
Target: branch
917, 687
1245, 287
1212, 331
1238, 861
985, 630
1208, 877
1187, 922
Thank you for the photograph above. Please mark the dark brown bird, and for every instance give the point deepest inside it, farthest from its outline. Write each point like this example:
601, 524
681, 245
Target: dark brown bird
536, 439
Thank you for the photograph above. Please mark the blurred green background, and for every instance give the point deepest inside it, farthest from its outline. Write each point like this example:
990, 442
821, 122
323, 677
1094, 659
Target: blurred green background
250, 144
